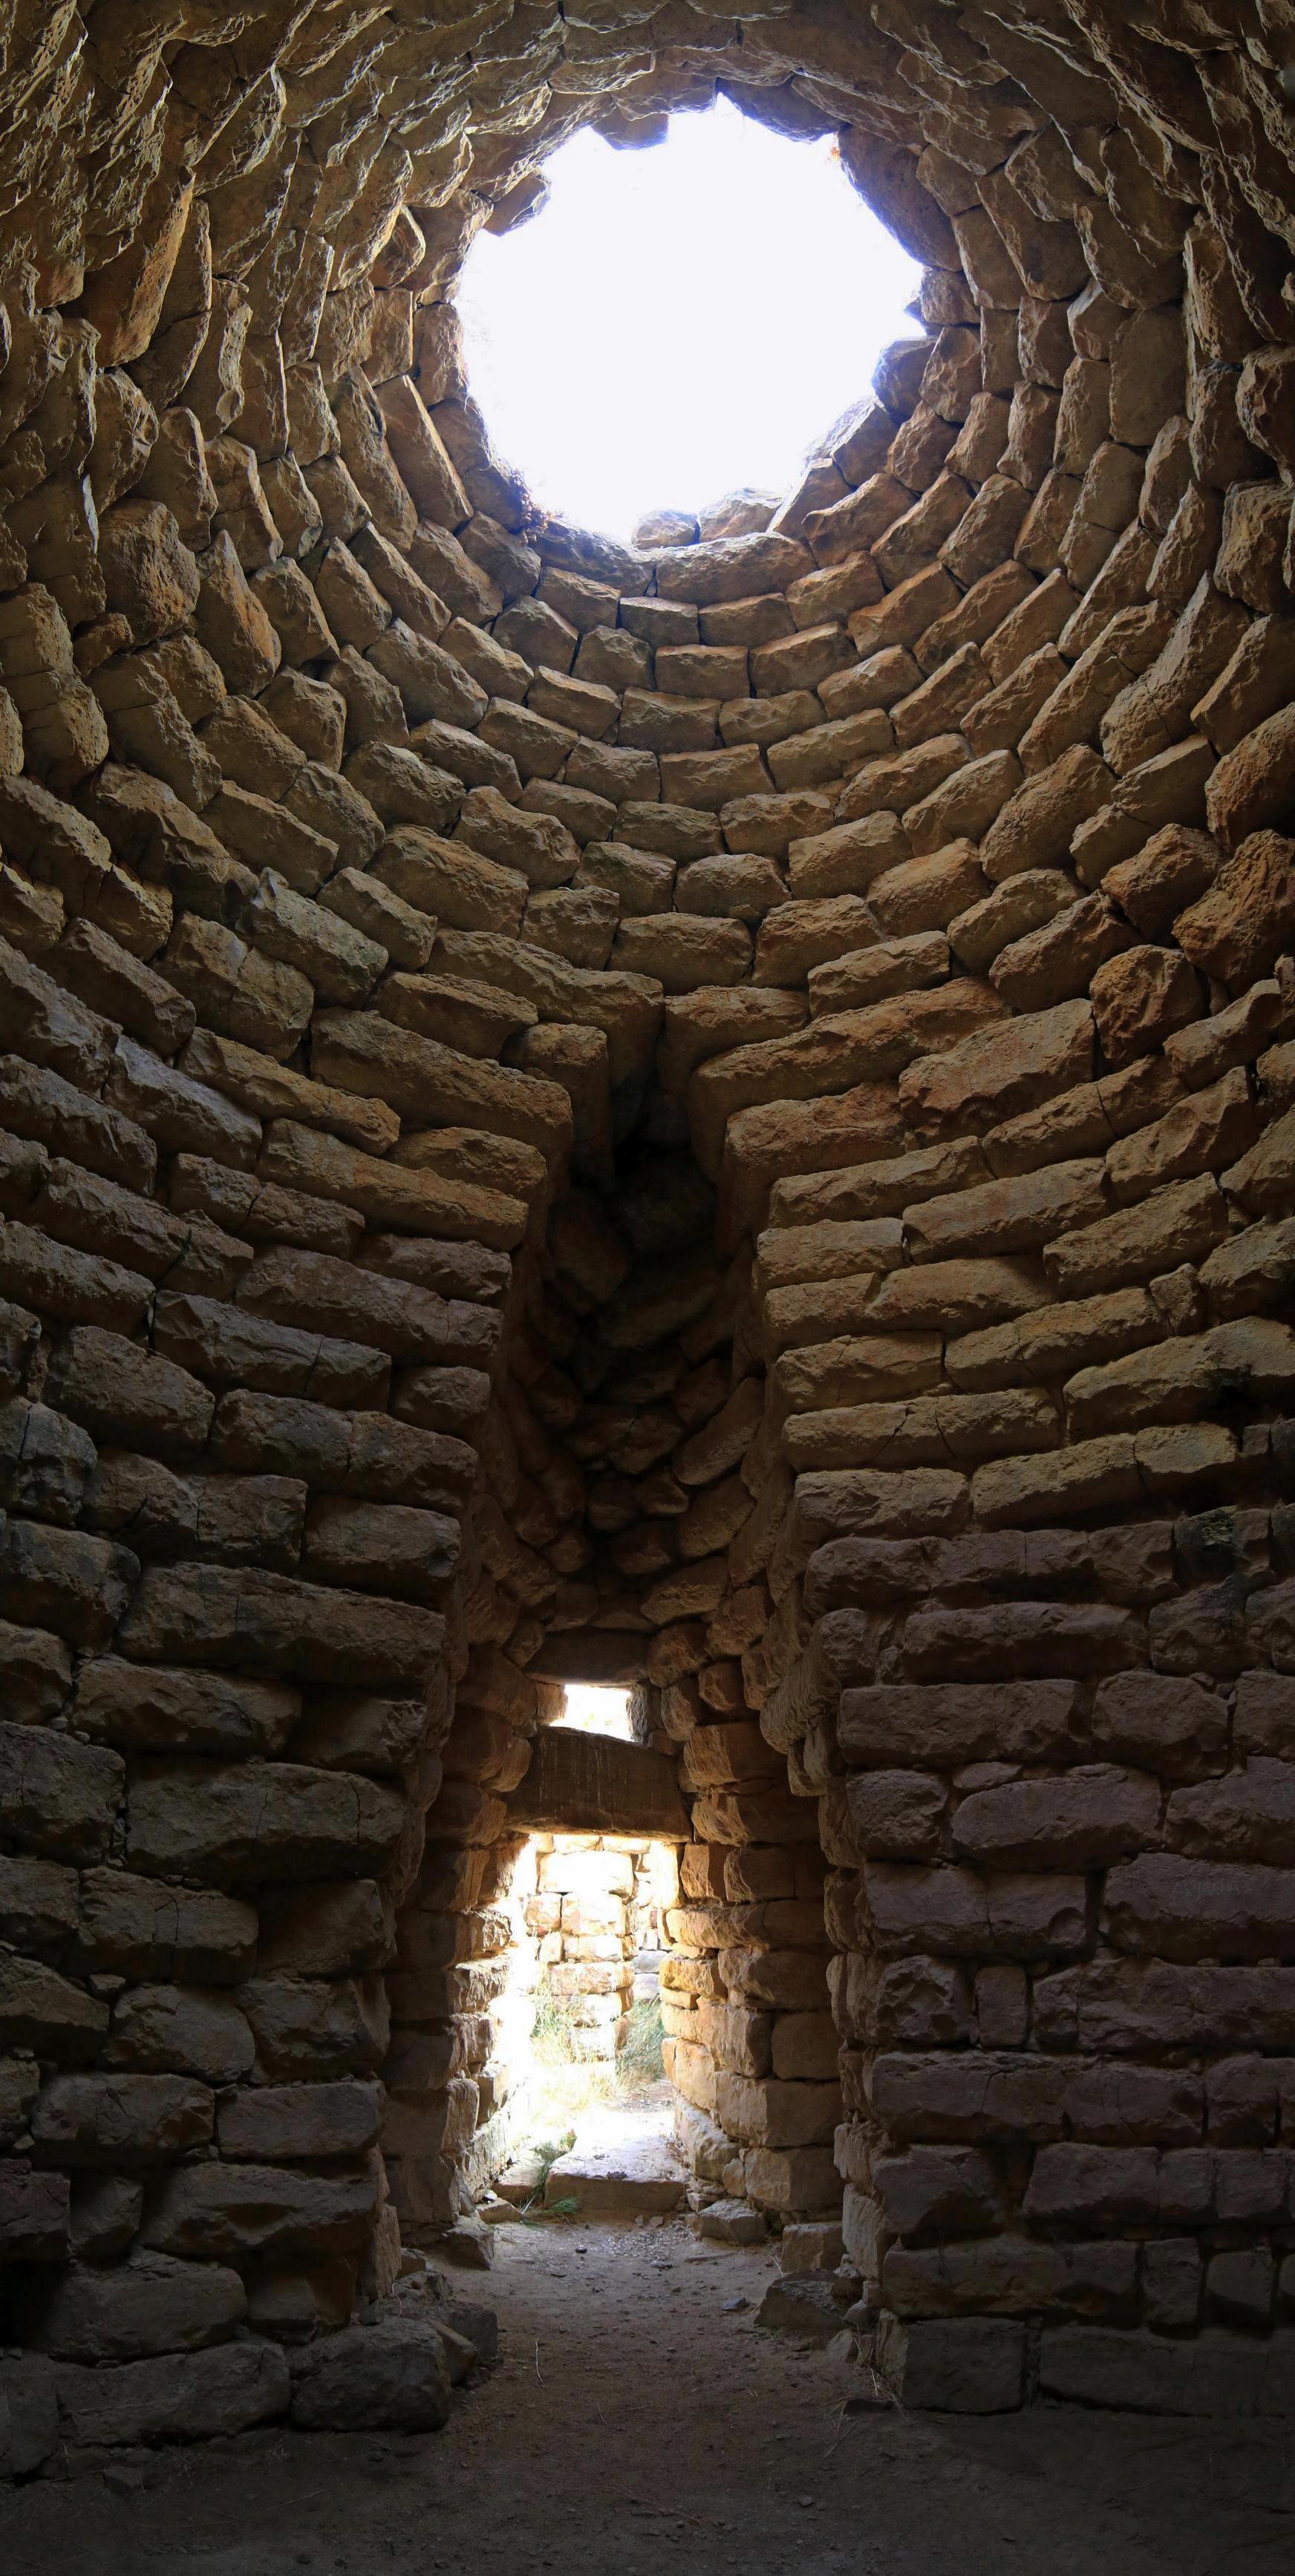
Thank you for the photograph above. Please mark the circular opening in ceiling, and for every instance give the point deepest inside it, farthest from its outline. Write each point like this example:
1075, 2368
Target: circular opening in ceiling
679, 322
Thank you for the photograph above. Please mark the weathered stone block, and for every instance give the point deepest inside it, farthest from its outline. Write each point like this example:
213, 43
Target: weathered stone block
33, 2214
179, 2397
56, 1795
1215, 2373
231, 2212
238, 1825
287, 2123
148, 2304
1003, 1915
385, 2377
174, 2029
138, 1927
957, 2366
41, 2010
106, 2119
274, 1624
1009, 2276
130, 1395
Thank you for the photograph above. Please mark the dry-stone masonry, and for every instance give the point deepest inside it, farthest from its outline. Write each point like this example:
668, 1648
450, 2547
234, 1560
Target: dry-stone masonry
717, 1115
592, 1904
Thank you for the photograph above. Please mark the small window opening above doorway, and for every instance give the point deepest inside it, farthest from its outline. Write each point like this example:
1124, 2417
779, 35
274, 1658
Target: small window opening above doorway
594, 1710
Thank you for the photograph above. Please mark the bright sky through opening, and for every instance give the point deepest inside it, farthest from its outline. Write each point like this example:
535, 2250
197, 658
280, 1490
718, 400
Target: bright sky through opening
677, 322
594, 1710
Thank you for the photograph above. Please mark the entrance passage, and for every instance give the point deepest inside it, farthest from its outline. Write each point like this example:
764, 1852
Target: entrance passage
593, 2109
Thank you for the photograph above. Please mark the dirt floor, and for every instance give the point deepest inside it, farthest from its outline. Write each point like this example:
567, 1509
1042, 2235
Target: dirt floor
639, 2422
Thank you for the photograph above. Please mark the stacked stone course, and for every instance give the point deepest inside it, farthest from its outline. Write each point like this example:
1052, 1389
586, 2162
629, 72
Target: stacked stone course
719, 1115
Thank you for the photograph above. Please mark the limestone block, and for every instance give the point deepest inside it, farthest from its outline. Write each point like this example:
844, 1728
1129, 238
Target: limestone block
1238, 1818
67, 1581
280, 2123
395, 1314
233, 1347
1251, 686
266, 834
990, 1075
1138, 998
360, 1732
33, 2215
391, 1547
896, 781
1025, 1637
111, 980
37, 1902
176, 472
40, 2009
939, 2190
682, 952
1005, 2275
232, 622
1214, 2372
30, 2413
951, 1724
420, 1201
792, 2179
176, 2397
393, 2376
1256, 521
31, 916
1096, 1814
45, 1462
38, 1669
1180, 1908
65, 1283
217, 2210
1235, 1035
897, 1815
1164, 877
232, 1825
398, 785
1179, 1378
1178, 1223
765, 2112
736, 568
181, 1114
927, 892
1237, 927
127, 1394
1250, 1270
1008, 1216
181, 2030
1264, 403
271, 1623
848, 856
149, 2304
51, 1028
132, 1926
363, 1454
427, 1081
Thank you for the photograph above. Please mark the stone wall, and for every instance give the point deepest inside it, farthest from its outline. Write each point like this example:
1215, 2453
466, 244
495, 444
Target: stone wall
720, 1115
594, 1902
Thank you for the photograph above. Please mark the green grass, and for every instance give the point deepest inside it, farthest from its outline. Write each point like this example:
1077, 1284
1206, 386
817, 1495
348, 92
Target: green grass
638, 2060
569, 2082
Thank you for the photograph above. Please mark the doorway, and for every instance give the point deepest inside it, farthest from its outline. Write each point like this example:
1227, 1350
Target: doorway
590, 1915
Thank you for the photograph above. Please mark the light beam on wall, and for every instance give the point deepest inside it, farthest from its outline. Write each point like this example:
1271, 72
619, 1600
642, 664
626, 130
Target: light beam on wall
680, 321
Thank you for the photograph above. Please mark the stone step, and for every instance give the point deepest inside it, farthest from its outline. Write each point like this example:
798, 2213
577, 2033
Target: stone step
629, 2181
622, 2165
